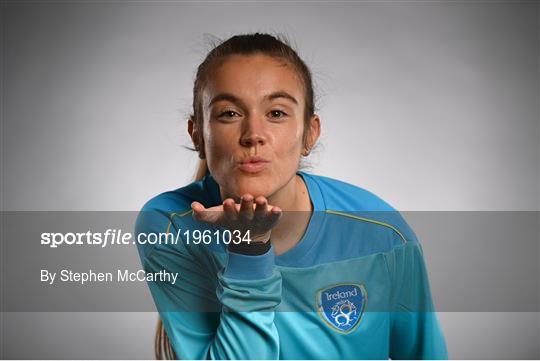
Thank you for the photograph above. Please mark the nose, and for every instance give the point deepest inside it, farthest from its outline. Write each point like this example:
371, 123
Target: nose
253, 132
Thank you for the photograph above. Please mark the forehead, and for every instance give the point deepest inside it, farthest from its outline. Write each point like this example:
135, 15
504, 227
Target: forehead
252, 77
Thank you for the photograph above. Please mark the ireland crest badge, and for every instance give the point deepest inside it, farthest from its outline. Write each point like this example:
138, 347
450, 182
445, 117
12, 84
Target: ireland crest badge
341, 306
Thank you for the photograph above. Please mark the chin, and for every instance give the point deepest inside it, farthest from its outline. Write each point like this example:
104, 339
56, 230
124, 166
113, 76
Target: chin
256, 186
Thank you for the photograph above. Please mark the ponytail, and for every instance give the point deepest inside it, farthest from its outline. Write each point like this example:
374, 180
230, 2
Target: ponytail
162, 346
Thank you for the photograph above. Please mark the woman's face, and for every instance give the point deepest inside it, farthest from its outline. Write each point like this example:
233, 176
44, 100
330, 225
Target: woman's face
253, 108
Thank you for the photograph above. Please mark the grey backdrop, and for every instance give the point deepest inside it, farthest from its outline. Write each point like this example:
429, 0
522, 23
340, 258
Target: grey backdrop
430, 105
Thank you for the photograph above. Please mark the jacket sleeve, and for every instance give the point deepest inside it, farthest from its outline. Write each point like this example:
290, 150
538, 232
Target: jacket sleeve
415, 330
230, 316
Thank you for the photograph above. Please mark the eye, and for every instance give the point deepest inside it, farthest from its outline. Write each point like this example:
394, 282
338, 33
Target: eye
227, 114
277, 113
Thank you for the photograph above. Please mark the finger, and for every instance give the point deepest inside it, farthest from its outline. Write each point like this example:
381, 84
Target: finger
261, 209
246, 207
274, 216
197, 207
198, 211
211, 215
229, 209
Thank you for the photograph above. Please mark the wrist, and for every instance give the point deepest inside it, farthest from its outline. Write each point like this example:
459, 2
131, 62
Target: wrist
251, 248
249, 267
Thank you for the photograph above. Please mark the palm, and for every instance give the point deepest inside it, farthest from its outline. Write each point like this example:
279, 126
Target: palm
255, 215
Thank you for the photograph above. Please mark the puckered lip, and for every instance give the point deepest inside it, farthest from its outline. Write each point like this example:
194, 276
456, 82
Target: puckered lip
253, 159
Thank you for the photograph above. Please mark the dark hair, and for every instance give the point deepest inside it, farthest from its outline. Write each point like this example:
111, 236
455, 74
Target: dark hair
247, 44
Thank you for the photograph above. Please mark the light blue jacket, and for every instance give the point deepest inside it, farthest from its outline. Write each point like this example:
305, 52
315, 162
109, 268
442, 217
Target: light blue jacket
354, 287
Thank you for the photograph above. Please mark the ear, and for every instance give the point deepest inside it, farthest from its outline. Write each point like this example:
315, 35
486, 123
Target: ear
196, 137
313, 135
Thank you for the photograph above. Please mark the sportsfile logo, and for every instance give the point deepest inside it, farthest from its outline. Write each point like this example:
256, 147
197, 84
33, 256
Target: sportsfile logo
341, 306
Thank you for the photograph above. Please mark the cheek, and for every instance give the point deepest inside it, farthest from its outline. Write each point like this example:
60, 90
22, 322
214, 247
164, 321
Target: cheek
219, 146
289, 148
215, 142
289, 141
211, 138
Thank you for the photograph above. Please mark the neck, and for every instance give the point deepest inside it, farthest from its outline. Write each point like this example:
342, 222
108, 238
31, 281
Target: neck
292, 197
292, 226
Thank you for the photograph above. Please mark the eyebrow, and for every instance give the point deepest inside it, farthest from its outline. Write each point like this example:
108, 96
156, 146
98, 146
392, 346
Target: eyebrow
234, 99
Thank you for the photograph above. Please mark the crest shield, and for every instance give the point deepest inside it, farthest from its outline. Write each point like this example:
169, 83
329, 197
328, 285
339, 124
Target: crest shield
341, 306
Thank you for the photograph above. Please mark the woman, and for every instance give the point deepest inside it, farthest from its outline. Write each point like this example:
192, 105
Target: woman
321, 269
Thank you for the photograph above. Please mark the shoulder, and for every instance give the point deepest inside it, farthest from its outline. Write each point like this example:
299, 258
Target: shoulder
343, 196
178, 199
162, 212
347, 202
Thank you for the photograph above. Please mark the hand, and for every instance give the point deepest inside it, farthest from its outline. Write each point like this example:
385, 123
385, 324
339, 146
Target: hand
257, 216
